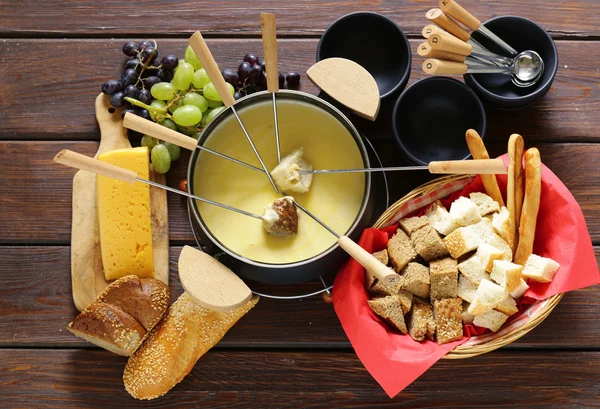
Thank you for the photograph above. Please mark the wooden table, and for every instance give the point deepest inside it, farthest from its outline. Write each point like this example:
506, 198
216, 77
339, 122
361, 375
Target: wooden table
55, 55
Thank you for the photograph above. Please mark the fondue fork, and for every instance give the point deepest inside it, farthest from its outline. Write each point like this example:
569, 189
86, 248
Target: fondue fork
212, 70
473, 166
269, 39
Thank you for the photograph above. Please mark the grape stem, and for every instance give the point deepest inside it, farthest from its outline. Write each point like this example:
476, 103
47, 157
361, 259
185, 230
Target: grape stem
146, 63
150, 108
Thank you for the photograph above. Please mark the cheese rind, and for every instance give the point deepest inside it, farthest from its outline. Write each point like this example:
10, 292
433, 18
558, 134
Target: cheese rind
124, 217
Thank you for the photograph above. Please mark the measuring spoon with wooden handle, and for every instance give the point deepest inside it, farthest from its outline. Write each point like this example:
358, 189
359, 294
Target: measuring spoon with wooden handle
438, 17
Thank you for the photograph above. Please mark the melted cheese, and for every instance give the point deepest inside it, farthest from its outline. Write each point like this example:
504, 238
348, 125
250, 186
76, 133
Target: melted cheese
335, 199
124, 217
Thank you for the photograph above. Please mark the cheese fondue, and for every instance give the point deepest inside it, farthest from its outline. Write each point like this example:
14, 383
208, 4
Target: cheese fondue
336, 198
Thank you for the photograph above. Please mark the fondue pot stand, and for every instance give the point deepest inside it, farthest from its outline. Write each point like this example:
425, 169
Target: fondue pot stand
310, 269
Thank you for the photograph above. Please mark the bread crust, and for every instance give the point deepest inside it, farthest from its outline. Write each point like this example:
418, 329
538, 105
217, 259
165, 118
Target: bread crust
478, 151
531, 205
514, 188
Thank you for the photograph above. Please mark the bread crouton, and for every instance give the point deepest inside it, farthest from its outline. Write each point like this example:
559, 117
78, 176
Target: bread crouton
508, 306
498, 242
416, 279
491, 320
487, 297
487, 254
463, 211
381, 290
381, 256
390, 309
421, 323
428, 243
540, 269
466, 317
506, 274
443, 276
473, 270
410, 224
485, 204
465, 239
448, 317
440, 219
502, 225
466, 288
400, 250
521, 289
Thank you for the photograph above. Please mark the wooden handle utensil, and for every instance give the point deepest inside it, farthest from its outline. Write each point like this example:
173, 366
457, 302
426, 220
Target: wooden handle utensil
269, 39
383, 273
146, 127
79, 161
439, 67
425, 50
482, 167
449, 44
209, 64
454, 10
438, 17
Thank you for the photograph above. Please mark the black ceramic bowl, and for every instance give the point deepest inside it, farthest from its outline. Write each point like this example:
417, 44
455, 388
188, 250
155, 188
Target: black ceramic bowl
373, 41
431, 118
522, 34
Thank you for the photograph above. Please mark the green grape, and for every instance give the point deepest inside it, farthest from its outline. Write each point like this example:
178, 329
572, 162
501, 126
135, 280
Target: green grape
213, 113
182, 79
205, 117
159, 105
174, 151
190, 57
214, 104
210, 92
231, 89
200, 79
148, 141
176, 105
167, 123
187, 130
196, 99
161, 160
163, 91
187, 115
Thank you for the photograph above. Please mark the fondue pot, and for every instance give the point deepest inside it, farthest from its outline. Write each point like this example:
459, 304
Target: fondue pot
280, 273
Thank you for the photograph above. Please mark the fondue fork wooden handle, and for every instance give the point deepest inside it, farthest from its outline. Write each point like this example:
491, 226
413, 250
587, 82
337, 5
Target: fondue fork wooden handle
146, 127
455, 10
475, 166
425, 50
478, 150
79, 161
269, 39
383, 273
449, 44
438, 17
209, 64
436, 67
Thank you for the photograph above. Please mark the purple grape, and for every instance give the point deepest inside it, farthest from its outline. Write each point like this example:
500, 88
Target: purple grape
130, 110
237, 95
134, 64
256, 74
170, 62
130, 49
129, 77
143, 113
132, 92
145, 43
281, 80
251, 59
263, 65
244, 71
165, 75
231, 76
152, 80
293, 80
149, 54
117, 99
145, 96
111, 86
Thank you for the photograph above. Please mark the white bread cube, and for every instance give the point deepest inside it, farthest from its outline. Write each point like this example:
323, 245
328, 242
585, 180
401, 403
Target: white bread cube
521, 289
487, 297
473, 270
507, 274
465, 239
485, 204
508, 306
491, 320
500, 244
463, 211
502, 225
466, 288
540, 269
466, 317
486, 255
440, 219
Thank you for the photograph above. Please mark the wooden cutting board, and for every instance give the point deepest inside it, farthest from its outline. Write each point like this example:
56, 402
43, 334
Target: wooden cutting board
87, 275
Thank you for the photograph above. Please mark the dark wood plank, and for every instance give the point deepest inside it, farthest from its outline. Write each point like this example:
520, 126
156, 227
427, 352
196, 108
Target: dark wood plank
36, 305
59, 99
228, 379
35, 193
235, 17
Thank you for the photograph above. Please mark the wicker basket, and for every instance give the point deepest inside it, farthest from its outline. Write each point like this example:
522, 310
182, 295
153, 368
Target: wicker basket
512, 331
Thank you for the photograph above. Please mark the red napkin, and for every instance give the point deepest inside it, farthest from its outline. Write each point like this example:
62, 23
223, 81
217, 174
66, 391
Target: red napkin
396, 360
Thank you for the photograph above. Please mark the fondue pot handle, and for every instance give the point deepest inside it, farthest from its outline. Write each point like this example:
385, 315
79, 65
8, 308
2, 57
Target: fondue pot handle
79, 161
203, 53
146, 127
269, 39
383, 273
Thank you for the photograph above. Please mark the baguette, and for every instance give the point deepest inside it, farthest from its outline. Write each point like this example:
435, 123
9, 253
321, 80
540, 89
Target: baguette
478, 151
186, 333
531, 205
514, 188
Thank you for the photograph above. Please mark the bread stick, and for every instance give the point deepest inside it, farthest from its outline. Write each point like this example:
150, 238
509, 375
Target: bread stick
514, 188
531, 205
478, 151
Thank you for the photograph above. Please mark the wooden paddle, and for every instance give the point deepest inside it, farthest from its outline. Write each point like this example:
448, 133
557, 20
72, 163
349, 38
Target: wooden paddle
349, 84
209, 282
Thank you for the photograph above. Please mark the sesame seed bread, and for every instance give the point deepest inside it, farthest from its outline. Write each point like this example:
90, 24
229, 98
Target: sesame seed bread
491, 320
187, 332
464, 212
507, 274
502, 225
473, 270
421, 323
487, 297
486, 255
122, 314
400, 250
428, 243
541, 269
521, 289
390, 309
411, 224
485, 204
440, 219
448, 318
466, 239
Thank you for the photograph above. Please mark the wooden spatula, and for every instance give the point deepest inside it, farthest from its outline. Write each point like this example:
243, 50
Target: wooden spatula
349, 84
209, 282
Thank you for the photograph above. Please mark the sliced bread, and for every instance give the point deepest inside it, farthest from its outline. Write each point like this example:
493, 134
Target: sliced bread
540, 269
487, 297
448, 318
492, 320
506, 274
440, 219
400, 250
